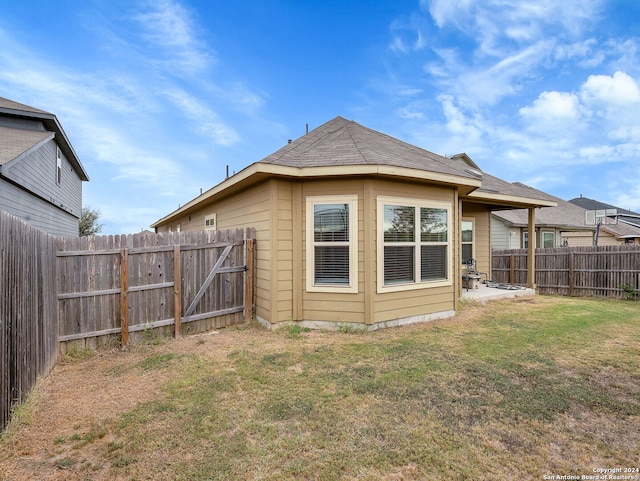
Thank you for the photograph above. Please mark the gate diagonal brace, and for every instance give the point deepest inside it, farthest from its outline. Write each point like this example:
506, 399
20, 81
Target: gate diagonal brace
208, 281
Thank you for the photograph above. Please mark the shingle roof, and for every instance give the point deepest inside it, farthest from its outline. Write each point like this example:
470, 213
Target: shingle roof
345, 143
591, 204
342, 142
622, 230
565, 214
491, 184
14, 142
11, 105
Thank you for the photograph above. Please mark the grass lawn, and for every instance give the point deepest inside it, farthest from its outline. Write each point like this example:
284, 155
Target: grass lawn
510, 390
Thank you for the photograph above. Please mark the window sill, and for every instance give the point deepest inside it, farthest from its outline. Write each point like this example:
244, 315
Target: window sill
413, 286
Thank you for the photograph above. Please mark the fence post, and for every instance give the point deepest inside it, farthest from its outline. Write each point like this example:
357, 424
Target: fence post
571, 273
248, 299
124, 300
177, 290
512, 269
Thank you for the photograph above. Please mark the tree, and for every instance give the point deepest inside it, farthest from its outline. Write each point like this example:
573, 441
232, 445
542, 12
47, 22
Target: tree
89, 222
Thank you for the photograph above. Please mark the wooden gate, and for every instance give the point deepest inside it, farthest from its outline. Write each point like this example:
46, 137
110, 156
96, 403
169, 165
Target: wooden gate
136, 286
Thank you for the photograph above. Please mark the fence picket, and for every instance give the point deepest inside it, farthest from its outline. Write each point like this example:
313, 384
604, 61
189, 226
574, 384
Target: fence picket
605, 271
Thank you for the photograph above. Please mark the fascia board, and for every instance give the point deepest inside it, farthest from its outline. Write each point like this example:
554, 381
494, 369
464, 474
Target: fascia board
507, 199
264, 170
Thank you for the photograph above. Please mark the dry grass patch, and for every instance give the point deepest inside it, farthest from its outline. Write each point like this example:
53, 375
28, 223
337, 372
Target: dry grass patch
513, 389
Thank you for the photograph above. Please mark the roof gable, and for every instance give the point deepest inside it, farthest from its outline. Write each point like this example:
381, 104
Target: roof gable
16, 110
15, 142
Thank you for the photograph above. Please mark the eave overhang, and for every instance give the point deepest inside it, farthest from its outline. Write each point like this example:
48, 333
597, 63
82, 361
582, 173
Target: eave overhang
259, 172
508, 201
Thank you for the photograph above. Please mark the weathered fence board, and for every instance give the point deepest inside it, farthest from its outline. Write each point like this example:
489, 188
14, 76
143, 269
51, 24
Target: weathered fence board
133, 284
28, 310
605, 271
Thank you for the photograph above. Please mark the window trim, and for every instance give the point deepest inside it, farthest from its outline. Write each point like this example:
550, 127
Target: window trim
472, 220
553, 234
214, 218
381, 201
311, 202
525, 240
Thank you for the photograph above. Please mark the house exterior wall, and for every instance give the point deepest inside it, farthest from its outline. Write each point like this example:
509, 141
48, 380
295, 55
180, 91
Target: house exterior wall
37, 173
606, 239
577, 238
277, 209
36, 211
331, 306
499, 234
481, 235
53, 207
249, 208
407, 304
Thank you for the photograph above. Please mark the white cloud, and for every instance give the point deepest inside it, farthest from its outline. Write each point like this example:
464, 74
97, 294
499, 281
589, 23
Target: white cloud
457, 123
550, 106
169, 26
203, 119
612, 91
407, 35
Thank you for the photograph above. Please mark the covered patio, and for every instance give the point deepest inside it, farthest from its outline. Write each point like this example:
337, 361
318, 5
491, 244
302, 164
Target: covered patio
492, 291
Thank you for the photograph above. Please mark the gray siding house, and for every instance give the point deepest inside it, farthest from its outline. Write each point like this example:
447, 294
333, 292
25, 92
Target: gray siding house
40, 174
559, 226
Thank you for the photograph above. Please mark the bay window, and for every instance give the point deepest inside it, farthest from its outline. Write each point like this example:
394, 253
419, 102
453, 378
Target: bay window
413, 244
332, 244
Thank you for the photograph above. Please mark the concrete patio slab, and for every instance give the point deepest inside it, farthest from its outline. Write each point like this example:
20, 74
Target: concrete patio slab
485, 293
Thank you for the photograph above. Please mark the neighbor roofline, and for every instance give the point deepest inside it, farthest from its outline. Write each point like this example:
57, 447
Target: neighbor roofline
543, 225
52, 123
259, 170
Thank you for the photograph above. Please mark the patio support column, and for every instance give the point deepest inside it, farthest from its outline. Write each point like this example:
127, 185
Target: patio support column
531, 254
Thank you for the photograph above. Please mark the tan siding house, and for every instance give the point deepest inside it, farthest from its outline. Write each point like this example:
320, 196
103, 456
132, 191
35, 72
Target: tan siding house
355, 227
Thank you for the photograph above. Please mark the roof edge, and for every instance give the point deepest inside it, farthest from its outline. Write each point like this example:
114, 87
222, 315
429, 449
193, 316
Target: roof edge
264, 168
511, 199
53, 124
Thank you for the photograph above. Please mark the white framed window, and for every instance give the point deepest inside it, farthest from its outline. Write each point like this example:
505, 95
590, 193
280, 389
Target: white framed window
211, 222
58, 166
525, 240
332, 243
468, 233
548, 239
414, 244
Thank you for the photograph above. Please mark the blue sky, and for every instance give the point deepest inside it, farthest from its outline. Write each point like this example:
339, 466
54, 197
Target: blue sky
158, 97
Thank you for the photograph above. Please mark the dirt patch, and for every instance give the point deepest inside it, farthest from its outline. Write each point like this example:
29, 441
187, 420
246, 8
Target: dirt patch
70, 407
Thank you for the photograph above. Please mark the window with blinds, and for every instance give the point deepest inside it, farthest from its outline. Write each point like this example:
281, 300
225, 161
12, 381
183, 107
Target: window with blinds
415, 243
332, 244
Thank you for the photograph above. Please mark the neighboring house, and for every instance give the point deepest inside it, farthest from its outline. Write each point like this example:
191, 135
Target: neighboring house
355, 226
40, 174
612, 224
560, 226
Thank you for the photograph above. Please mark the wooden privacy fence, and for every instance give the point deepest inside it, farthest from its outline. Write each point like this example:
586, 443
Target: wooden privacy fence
28, 310
133, 285
605, 271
